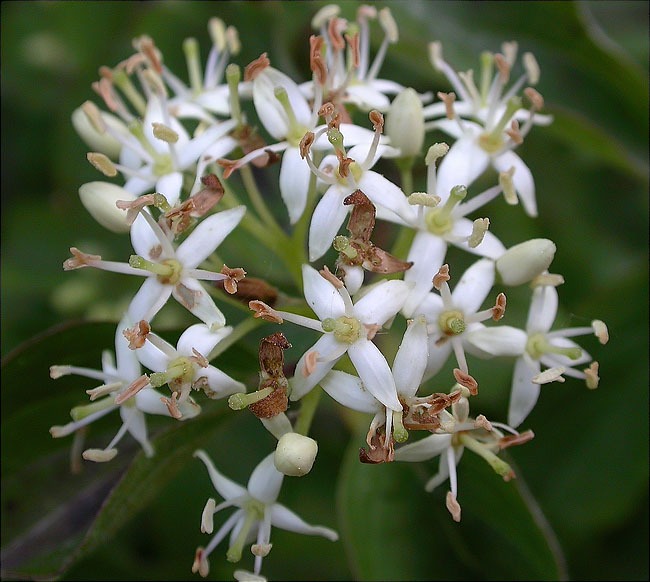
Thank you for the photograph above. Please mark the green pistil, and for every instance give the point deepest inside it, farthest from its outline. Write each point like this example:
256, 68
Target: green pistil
452, 322
233, 76
161, 202
487, 68
500, 466
168, 271
400, 434
242, 400
180, 369
342, 245
123, 82
438, 219
192, 58
136, 130
537, 345
80, 412
335, 137
492, 142
346, 329
296, 131
254, 511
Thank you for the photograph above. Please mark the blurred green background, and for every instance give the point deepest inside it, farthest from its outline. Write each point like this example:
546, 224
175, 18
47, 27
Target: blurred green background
588, 465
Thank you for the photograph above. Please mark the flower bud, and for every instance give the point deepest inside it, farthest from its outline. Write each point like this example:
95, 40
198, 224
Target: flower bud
525, 261
295, 454
405, 124
99, 198
96, 141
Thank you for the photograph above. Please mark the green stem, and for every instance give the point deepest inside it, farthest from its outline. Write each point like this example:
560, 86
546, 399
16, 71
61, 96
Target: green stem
307, 410
257, 200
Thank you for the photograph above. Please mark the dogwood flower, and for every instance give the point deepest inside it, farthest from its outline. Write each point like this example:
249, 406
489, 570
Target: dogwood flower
459, 431
186, 367
170, 270
347, 327
453, 317
538, 347
494, 131
117, 379
257, 512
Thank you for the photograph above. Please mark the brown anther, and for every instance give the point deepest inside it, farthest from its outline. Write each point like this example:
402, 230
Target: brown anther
516, 439
382, 450
199, 359
482, 422
499, 309
79, 260
334, 28
264, 311
305, 144
329, 276
172, 406
133, 207
535, 98
200, 564
132, 63
311, 359
514, 133
316, 63
503, 67
353, 43
453, 506
591, 374
137, 335
132, 389
104, 88
464, 379
234, 277
148, 48
344, 164
327, 110
377, 120
229, 166
371, 330
105, 72
254, 68
448, 99
442, 276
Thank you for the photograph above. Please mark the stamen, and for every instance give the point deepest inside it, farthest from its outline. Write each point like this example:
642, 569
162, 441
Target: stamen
503, 67
132, 389
99, 455
448, 99
329, 276
467, 381
261, 550
453, 506
207, 517
442, 276
94, 116
172, 405
137, 335
544, 279
324, 15
102, 163
479, 228
423, 199
499, 309
164, 133
103, 390
79, 260
535, 98
264, 311
234, 276
600, 331
507, 185
550, 375
254, 68
316, 63
591, 374
498, 465
516, 439
482, 422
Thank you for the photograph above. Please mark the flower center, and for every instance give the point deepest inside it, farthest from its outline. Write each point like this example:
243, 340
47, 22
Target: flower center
254, 512
180, 372
452, 322
537, 345
345, 329
439, 220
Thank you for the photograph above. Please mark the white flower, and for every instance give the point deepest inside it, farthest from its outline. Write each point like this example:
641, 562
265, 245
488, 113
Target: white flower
117, 379
186, 367
458, 432
170, 270
453, 317
257, 511
494, 132
346, 327
539, 346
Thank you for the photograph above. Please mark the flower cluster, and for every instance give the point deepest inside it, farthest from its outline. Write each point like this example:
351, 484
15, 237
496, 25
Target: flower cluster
185, 159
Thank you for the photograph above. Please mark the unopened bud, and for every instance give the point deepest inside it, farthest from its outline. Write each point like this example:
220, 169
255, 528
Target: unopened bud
405, 124
89, 132
99, 198
525, 261
295, 454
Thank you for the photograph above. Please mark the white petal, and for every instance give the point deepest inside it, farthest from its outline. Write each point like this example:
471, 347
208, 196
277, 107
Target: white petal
424, 449
353, 278
502, 340
328, 348
169, 186
367, 98
149, 299
137, 427
522, 179
438, 356
382, 192
219, 382
411, 358
326, 221
191, 295
427, 253
382, 302
461, 166
152, 357
524, 393
543, 309
148, 401
348, 391
475, 284
373, 369
199, 337
268, 108
284, 518
321, 295
207, 236
265, 481
564, 361
225, 487
128, 365
294, 183
145, 241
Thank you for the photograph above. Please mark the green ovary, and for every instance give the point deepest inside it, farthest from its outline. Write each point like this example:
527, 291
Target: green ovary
345, 329
452, 322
